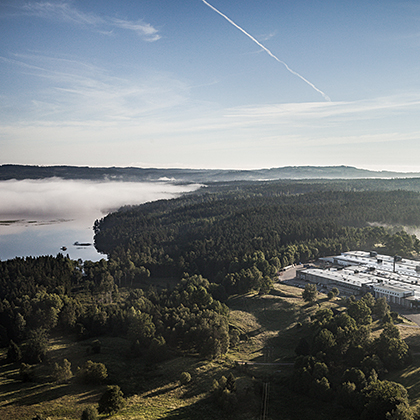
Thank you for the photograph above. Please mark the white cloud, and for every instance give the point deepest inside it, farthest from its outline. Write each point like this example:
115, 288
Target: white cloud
67, 13
143, 29
317, 110
72, 90
62, 12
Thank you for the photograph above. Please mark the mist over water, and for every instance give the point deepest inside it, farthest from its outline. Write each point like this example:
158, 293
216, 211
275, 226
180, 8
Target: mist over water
38, 217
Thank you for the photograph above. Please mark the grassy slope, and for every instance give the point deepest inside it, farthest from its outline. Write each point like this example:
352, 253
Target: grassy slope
269, 334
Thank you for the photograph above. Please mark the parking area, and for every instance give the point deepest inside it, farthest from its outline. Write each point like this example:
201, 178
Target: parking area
289, 277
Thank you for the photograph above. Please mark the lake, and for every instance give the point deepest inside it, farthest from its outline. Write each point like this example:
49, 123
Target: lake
39, 217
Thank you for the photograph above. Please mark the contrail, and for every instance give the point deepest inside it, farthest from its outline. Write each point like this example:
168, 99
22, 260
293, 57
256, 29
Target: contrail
326, 97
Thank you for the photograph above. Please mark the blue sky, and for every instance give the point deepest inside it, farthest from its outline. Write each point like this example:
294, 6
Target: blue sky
164, 83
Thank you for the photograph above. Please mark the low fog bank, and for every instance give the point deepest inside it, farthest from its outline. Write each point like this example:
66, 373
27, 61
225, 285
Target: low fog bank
57, 199
412, 230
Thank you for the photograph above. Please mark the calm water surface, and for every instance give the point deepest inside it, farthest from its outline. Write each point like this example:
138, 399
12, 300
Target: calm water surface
40, 217
34, 238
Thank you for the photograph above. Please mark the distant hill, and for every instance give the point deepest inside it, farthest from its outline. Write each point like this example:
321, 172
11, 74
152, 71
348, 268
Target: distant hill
10, 171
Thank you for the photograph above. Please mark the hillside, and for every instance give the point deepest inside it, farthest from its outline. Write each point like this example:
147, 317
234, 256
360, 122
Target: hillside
269, 327
264, 322
193, 175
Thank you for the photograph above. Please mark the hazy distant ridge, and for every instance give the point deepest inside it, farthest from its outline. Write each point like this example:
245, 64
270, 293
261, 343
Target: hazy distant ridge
10, 171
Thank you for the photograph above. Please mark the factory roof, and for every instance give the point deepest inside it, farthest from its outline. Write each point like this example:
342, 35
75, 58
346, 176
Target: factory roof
373, 270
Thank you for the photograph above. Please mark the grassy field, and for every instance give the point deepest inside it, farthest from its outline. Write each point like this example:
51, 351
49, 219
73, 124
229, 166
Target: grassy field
270, 328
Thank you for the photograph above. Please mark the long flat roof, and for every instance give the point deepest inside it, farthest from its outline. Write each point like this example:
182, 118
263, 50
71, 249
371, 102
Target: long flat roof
364, 269
352, 276
404, 266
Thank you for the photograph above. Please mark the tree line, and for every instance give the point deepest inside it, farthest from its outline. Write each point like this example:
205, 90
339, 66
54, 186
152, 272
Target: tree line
220, 235
187, 318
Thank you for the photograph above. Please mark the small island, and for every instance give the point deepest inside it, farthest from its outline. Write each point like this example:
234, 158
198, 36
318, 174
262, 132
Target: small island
82, 244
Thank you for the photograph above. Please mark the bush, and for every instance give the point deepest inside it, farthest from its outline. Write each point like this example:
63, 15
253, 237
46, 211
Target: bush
36, 346
93, 373
112, 400
62, 373
231, 383
234, 338
224, 393
310, 293
89, 413
184, 378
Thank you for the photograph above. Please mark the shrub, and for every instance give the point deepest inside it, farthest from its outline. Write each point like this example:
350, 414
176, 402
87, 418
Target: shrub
234, 338
112, 400
184, 378
310, 293
89, 413
36, 346
231, 383
227, 401
224, 393
93, 373
62, 373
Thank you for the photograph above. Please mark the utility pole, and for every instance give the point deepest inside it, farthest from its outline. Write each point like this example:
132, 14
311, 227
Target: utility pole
264, 405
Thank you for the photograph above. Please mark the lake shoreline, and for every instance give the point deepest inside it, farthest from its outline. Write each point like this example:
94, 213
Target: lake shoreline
40, 218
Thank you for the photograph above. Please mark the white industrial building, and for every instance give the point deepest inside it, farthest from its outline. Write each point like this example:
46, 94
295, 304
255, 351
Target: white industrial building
359, 272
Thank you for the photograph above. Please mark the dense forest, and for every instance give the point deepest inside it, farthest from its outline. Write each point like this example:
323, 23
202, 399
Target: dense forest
224, 240
39, 295
242, 234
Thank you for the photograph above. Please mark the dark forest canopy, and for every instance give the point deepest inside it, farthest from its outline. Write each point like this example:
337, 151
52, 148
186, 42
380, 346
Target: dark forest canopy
224, 231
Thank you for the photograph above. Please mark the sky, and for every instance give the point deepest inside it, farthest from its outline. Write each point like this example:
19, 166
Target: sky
210, 84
